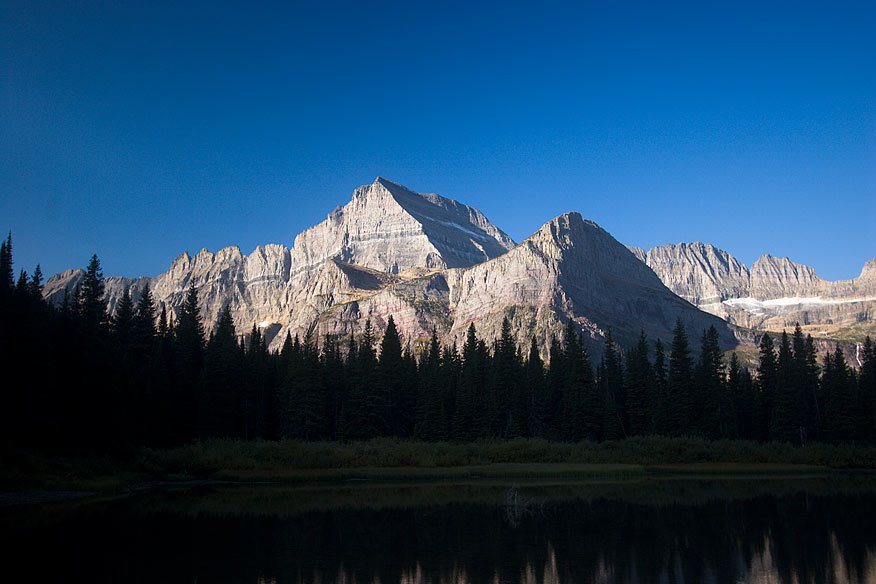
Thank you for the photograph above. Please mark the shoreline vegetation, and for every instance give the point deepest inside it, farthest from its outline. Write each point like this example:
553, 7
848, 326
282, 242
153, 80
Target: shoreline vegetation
217, 462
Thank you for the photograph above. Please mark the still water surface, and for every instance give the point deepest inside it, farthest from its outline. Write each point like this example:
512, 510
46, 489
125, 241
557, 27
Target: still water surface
758, 530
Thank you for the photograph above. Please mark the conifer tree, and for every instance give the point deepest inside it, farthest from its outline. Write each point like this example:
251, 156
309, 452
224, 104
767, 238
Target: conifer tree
810, 389
680, 391
410, 387
468, 407
583, 404
335, 383
662, 419
350, 412
22, 288
308, 406
521, 404
504, 385
716, 413
804, 377
785, 424
122, 322
840, 403
125, 397
223, 381
292, 363
254, 406
535, 392
767, 379
451, 373
189, 349
36, 286
364, 395
7, 285
613, 391
555, 391
91, 304
641, 394
430, 403
163, 327
389, 410
742, 395
144, 330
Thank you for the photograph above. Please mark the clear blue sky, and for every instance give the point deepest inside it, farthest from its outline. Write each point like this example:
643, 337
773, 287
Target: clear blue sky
142, 130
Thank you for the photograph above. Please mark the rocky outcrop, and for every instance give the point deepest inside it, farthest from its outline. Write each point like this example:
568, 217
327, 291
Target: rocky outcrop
772, 277
699, 272
571, 269
775, 293
64, 284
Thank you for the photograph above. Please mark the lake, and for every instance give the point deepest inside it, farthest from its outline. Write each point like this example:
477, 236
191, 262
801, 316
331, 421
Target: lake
817, 529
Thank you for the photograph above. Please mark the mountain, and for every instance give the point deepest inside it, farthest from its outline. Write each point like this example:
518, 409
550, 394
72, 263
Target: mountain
572, 268
430, 262
775, 293
569, 269
389, 228
385, 233
698, 272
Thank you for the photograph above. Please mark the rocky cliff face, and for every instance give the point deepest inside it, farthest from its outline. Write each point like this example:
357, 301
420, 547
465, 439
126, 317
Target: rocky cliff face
698, 272
430, 262
571, 269
775, 293
388, 228
568, 269
64, 283
772, 277
386, 233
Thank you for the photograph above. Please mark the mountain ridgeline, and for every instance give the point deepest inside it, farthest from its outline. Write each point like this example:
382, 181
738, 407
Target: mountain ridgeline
434, 264
775, 293
411, 315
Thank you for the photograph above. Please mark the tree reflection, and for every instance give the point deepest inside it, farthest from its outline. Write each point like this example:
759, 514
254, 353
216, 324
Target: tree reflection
585, 535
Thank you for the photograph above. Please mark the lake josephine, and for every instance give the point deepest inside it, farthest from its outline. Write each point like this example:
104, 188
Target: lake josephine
817, 529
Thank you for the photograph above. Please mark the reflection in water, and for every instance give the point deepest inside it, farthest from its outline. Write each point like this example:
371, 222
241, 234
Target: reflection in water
674, 532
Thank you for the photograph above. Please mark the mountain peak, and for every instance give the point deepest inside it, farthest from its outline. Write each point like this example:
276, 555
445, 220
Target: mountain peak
562, 229
571, 269
386, 183
390, 228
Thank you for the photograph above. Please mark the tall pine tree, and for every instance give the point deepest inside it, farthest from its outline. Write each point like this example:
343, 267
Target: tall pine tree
680, 390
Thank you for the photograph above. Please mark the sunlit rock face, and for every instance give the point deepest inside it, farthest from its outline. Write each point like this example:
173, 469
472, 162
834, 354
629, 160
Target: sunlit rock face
775, 293
388, 228
375, 256
436, 264
64, 284
571, 269
698, 272
772, 277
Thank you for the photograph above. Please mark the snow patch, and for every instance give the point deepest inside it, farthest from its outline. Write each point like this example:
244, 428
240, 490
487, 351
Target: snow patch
264, 324
459, 227
760, 306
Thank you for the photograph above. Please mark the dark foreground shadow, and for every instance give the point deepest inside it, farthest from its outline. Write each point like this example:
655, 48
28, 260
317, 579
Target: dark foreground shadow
808, 529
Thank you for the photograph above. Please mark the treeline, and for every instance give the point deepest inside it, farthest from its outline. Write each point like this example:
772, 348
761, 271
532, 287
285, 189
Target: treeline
78, 378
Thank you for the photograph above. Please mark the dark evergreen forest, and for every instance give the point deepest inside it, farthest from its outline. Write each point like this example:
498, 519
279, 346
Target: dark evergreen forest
79, 379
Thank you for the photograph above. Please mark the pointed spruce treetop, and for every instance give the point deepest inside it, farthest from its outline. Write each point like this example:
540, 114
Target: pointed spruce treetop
91, 296
6, 276
390, 345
